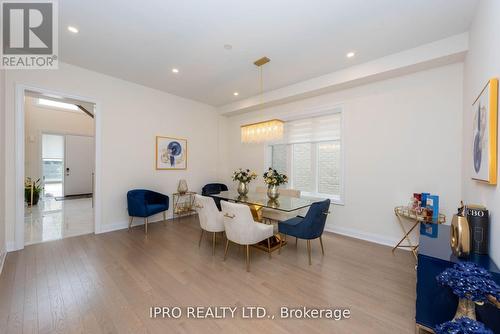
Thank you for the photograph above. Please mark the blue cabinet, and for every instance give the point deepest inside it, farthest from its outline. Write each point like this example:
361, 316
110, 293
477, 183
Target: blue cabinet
437, 304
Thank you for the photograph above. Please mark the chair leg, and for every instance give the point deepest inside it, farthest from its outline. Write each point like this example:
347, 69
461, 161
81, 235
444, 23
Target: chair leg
269, 246
213, 243
164, 218
281, 243
227, 248
201, 237
131, 220
309, 250
146, 225
296, 241
248, 257
322, 248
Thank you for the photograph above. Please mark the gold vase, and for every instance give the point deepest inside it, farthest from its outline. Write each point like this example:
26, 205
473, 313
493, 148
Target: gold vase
460, 236
242, 188
273, 192
465, 308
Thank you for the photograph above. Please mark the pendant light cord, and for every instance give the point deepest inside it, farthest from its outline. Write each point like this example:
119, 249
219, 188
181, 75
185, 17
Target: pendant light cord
261, 85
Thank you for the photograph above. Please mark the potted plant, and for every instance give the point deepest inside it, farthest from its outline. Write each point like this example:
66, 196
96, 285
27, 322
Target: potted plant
29, 187
243, 176
273, 180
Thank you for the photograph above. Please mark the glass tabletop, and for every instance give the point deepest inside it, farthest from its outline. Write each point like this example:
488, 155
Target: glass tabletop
283, 203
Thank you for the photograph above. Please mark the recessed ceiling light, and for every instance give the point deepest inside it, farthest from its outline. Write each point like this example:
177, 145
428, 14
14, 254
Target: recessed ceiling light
174, 70
236, 93
228, 46
350, 54
73, 29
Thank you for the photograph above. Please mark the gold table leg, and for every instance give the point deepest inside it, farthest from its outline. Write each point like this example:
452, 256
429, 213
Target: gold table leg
406, 237
275, 241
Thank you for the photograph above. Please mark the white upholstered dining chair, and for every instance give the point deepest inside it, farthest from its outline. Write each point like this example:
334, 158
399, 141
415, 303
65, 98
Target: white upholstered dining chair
243, 230
275, 215
210, 217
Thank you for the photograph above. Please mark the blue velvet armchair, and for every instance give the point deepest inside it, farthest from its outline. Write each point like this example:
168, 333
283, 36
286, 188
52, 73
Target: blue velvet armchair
214, 188
309, 227
145, 203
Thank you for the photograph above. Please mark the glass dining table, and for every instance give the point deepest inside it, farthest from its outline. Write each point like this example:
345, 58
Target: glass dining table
257, 200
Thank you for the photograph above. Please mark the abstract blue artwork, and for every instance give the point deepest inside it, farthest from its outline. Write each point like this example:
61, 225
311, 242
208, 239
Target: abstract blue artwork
171, 153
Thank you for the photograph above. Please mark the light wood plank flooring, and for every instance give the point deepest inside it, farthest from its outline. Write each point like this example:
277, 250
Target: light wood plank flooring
107, 283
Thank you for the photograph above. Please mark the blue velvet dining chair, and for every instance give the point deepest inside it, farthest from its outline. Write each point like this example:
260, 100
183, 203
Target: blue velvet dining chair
145, 203
214, 188
309, 227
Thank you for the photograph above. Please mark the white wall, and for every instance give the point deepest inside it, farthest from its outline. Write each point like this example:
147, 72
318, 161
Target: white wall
131, 115
481, 64
402, 135
2, 169
39, 120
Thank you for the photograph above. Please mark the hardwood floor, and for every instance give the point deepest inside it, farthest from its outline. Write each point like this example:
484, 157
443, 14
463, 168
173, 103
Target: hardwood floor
107, 283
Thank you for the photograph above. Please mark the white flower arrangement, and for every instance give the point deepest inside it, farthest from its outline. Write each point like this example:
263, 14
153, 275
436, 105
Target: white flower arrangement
244, 175
273, 178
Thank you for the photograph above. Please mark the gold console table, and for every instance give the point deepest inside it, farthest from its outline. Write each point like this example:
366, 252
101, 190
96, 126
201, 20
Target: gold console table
405, 213
183, 204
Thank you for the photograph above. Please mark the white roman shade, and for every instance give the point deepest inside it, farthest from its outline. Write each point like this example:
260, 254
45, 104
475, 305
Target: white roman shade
311, 154
314, 129
52, 147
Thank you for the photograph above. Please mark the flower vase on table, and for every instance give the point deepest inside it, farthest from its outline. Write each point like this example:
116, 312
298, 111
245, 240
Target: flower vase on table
273, 192
243, 176
242, 188
273, 180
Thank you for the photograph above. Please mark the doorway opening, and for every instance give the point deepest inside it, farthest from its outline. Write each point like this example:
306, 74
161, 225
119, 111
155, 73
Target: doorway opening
59, 161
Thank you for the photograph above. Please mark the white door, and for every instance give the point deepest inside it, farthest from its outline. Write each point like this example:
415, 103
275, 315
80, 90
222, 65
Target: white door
78, 165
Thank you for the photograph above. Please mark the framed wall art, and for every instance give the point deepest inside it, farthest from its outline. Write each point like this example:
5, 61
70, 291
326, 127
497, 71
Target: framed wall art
171, 153
484, 134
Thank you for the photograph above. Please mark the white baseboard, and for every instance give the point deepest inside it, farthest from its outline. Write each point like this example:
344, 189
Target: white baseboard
371, 237
124, 225
11, 246
3, 255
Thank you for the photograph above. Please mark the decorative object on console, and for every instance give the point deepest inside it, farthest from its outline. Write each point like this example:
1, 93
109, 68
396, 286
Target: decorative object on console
462, 325
484, 138
182, 187
471, 284
243, 176
423, 199
478, 218
171, 153
432, 206
460, 233
273, 180
416, 200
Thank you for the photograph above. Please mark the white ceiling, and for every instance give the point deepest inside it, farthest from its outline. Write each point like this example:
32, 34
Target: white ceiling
141, 41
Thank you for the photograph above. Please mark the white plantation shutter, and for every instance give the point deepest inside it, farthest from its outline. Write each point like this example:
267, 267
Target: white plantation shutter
311, 155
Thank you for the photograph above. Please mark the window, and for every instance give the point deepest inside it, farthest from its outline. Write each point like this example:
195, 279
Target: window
52, 158
58, 105
311, 155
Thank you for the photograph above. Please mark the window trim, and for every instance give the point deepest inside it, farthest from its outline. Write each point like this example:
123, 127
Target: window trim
324, 111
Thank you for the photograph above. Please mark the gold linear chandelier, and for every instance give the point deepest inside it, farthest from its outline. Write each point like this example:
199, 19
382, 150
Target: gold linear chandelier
262, 131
